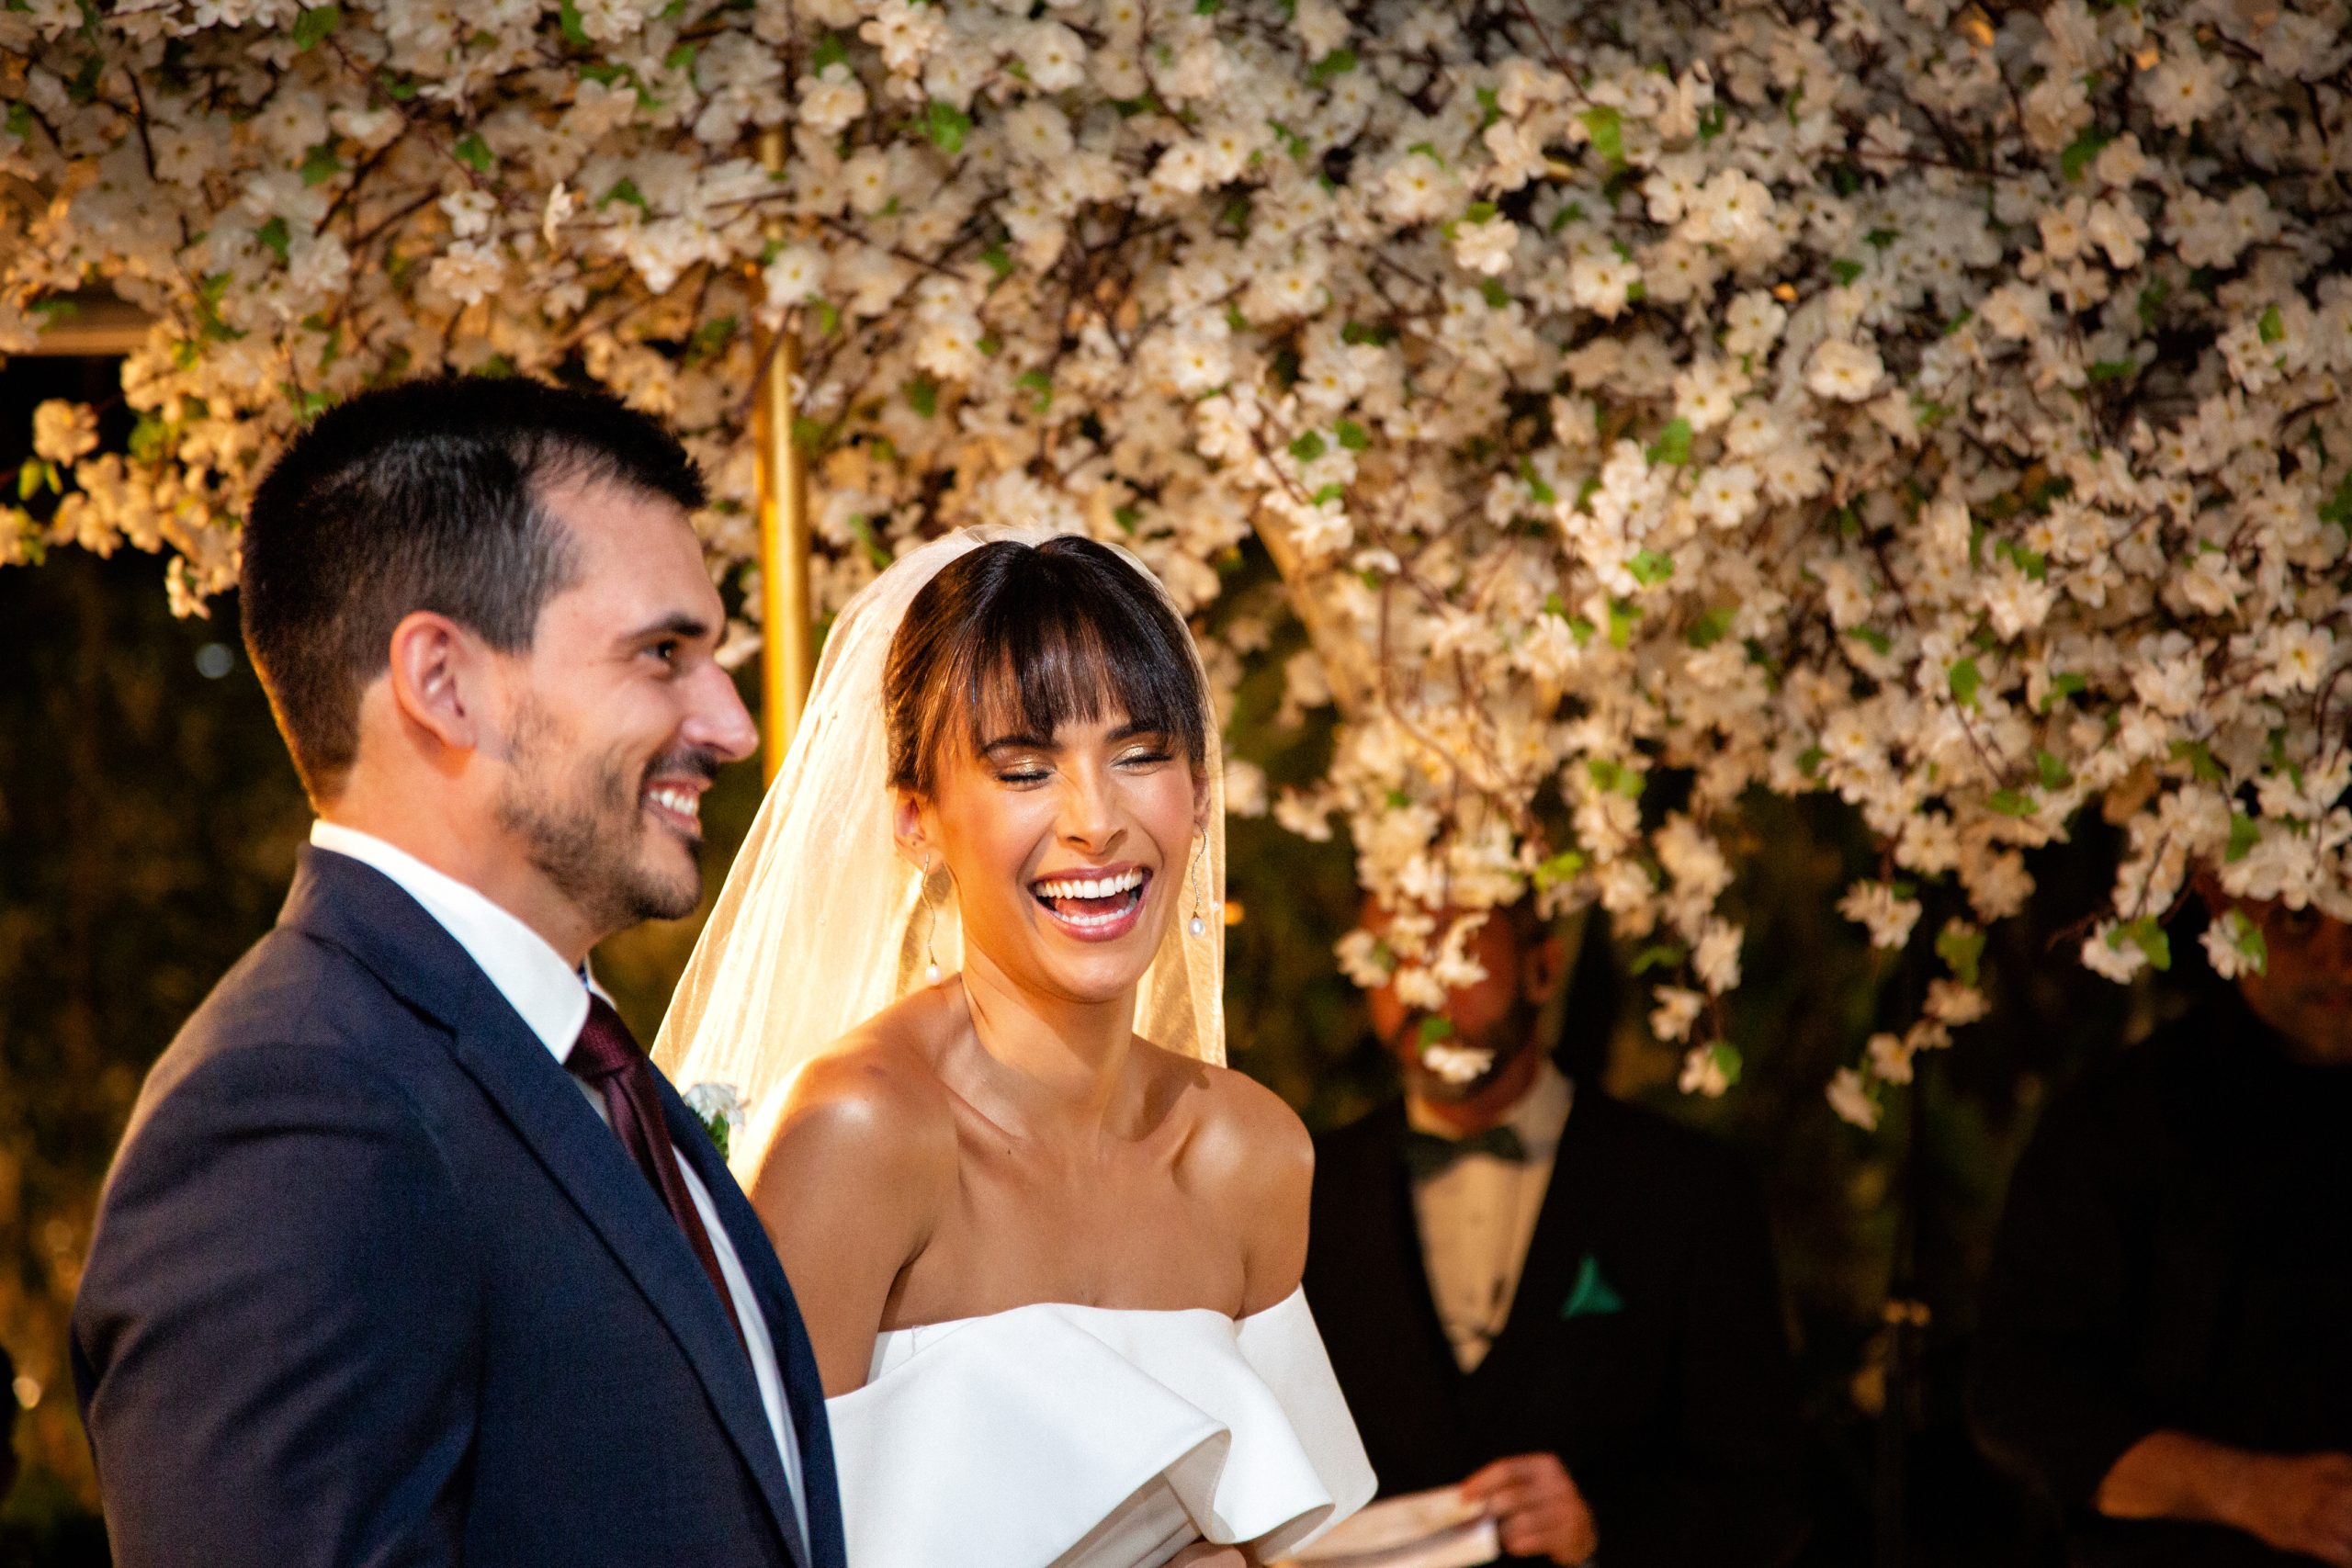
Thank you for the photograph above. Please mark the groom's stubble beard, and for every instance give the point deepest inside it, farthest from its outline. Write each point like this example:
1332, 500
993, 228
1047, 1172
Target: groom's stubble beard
582, 827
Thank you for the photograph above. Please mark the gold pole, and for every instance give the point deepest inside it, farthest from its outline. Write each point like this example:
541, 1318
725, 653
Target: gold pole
787, 648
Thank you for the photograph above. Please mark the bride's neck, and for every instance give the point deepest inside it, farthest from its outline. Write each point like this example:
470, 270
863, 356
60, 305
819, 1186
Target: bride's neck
1063, 1058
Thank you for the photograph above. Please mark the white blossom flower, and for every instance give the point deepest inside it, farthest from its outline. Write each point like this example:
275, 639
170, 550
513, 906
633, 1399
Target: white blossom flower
1847, 371
1851, 1099
64, 431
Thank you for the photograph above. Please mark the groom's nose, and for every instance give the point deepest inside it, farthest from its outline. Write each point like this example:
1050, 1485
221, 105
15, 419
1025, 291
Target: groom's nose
716, 719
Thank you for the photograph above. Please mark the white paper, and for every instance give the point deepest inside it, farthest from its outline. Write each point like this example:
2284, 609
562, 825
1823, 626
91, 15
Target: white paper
1421, 1530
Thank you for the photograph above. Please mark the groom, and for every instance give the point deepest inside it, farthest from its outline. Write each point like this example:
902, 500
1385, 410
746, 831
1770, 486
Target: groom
409, 1257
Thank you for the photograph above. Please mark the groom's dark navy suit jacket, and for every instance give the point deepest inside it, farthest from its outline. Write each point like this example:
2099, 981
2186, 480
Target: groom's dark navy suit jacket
373, 1284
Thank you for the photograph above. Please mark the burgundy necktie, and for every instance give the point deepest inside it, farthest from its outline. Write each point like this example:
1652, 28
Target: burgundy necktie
610, 1060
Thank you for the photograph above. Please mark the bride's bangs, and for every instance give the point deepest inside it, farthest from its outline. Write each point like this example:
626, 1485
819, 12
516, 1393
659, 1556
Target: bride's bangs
1024, 639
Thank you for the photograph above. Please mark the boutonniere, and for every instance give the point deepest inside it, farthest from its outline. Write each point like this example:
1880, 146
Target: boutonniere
1593, 1296
719, 1109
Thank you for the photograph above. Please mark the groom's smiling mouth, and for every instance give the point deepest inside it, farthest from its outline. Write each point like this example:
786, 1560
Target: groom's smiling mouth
676, 803
1095, 904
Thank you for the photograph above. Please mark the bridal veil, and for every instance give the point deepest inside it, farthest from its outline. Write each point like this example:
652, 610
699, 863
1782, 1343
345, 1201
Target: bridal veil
822, 923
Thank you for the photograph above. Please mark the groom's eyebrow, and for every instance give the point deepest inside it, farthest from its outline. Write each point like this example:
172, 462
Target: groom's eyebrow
677, 624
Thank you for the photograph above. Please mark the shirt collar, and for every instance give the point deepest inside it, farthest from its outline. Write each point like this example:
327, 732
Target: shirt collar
547, 992
1540, 1116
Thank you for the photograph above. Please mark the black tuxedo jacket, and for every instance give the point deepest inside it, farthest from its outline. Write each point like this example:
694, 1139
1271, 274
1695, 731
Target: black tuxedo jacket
373, 1284
1662, 1383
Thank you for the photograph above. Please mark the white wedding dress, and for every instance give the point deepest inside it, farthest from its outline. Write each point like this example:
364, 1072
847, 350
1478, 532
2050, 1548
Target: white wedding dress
1085, 1437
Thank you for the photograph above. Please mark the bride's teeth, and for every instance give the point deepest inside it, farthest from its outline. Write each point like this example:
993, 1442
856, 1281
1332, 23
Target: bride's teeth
1092, 887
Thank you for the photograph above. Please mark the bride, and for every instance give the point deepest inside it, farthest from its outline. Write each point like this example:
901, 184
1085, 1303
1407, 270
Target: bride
1047, 1248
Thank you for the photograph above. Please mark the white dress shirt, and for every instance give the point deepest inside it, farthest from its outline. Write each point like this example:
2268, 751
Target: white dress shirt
1477, 1215
552, 999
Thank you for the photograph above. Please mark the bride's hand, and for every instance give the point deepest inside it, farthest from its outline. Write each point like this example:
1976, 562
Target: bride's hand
1202, 1554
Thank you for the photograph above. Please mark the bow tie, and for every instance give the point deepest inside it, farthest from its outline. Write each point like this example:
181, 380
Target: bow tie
1427, 1153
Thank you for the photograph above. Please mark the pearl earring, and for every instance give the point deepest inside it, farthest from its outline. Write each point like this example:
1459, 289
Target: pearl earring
1199, 926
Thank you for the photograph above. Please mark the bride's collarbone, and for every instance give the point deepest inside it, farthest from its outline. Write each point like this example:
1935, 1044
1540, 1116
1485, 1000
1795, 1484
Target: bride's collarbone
1024, 1227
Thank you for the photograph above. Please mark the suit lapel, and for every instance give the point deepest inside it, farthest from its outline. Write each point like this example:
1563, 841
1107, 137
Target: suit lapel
366, 914
804, 1391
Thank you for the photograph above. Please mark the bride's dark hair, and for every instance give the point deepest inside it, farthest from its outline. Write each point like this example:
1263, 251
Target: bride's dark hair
1013, 640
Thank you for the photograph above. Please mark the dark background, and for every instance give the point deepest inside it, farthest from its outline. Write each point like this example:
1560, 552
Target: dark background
148, 825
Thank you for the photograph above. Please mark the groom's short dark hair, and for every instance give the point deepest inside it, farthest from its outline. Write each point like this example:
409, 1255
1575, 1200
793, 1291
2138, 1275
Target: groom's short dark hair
422, 496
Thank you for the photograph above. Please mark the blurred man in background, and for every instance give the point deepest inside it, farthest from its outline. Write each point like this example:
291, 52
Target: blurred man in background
2165, 1353
1561, 1303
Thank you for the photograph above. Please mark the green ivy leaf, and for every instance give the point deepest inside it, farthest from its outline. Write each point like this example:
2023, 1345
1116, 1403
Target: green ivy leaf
568, 17
2203, 767
1673, 444
475, 153
1872, 638
1607, 129
1039, 383
1308, 448
273, 235
1352, 436
2054, 774
2081, 150
1845, 271
320, 165
1963, 951
1339, 63
1557, 869
1709, 628
831, 50
2245, 834
2063, 684
312, 26
947, 126
922, 396
1965, 678
2146, 935
626, 189
1650, 568
2270, 325
2246, 937
1658, 955
2011, 802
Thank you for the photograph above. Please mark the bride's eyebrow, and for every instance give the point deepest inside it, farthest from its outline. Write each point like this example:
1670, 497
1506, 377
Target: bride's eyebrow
1015, 743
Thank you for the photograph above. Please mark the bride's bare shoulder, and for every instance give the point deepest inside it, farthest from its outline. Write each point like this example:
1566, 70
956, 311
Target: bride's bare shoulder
873, 1104
1249, 1156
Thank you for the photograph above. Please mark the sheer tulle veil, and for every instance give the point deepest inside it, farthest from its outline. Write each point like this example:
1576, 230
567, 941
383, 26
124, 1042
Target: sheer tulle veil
822, 923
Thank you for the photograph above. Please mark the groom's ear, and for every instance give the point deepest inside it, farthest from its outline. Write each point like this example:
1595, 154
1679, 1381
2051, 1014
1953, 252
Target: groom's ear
438, 677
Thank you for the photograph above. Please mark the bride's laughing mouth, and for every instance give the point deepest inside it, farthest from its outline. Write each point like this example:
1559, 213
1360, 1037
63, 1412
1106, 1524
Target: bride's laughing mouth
1094, 903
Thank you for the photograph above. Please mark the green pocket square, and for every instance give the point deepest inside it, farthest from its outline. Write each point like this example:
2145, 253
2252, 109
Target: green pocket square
1591, 1296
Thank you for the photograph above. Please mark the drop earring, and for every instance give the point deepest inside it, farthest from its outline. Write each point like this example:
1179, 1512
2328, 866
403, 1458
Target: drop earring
930, 928
1199, 925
